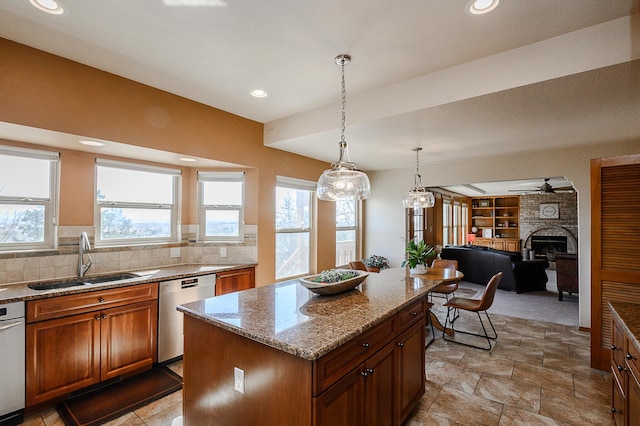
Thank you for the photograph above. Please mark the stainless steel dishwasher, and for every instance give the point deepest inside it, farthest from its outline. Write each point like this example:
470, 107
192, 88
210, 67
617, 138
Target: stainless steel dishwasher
170, 321
12, 352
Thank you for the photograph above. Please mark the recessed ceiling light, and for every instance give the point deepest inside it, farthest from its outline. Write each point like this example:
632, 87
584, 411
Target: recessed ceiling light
188, 160
92, 143
53, 7
479, 7
259, 93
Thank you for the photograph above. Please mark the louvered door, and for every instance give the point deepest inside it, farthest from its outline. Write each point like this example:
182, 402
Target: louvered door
615, 247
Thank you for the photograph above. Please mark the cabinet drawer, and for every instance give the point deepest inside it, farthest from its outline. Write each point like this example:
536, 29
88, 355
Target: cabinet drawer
411, 314
336, 364
633, 362
62, 306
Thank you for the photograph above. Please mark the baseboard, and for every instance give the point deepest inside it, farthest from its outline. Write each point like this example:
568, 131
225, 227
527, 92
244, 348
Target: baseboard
588, 329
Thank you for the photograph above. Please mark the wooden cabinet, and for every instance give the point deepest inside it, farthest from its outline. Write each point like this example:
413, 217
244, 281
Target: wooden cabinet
239, 279
385, 386
625, 372
69, 352
498, 222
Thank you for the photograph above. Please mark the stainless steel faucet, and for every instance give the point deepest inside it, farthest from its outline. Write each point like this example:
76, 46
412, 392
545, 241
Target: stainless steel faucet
82, 246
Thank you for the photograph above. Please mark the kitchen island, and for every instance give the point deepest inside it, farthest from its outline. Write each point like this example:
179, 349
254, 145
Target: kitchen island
280, 354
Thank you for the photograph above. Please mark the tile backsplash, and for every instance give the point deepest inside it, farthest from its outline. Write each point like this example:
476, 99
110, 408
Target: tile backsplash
62, 262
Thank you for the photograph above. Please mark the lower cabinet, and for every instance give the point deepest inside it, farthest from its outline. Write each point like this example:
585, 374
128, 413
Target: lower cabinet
236, 280
386, 386
625, 372
69, 353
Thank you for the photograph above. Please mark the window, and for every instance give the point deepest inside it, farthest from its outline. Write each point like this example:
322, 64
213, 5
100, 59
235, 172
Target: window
293, 226
346, 231
136, 203
28, 198
455, 220
221, 206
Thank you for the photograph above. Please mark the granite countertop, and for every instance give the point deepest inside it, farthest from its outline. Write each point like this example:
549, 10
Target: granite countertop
20, 291
288, 317
628, 315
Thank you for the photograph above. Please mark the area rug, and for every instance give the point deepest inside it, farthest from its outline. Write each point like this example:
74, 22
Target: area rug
110, 402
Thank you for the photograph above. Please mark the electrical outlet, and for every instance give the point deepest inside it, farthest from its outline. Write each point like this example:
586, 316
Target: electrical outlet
175, 252
238, 379
223, 252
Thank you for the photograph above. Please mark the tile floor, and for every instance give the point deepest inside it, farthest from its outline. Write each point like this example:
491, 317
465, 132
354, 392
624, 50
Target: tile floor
537, 374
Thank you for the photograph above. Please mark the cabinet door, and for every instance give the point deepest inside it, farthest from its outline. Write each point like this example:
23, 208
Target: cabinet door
63, 355
633, 400
379, 374
498, 244
128, 338
411, 373
512, 245
241, 279
342, 403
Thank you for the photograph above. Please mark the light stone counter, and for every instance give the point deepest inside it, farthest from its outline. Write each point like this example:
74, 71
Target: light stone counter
290, 318
21, 291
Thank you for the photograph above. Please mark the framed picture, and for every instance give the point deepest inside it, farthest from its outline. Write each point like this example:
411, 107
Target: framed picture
483, 203
486, 233
549, 211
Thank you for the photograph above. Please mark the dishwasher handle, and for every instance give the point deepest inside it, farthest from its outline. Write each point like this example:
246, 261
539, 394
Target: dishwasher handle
189, 283
8, 326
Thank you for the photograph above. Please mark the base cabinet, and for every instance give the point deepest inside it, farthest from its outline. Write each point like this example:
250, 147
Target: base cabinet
625, 371
72, 352
237, 280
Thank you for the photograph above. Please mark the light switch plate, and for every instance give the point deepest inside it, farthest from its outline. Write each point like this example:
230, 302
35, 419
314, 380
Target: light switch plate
223, 252
175, 252
238, 379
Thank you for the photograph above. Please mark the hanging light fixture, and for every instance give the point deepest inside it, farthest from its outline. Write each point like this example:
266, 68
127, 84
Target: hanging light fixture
343, 181
418, 197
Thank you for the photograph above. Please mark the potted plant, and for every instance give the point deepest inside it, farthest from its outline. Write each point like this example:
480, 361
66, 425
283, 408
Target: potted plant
376, 263
417, 256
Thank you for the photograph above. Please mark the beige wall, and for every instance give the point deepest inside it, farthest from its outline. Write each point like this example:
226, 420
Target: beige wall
385, 215
48, 92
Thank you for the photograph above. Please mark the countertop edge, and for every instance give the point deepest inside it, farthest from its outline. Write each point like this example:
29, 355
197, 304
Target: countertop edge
630, 324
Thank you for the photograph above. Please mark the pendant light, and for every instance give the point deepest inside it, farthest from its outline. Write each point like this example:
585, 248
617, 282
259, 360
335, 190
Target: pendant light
418, 197
343, 181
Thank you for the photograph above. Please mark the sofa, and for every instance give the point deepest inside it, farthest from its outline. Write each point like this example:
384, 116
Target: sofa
567, 273
479, 264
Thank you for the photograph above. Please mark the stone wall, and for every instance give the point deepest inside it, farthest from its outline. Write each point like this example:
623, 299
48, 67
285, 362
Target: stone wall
565, 225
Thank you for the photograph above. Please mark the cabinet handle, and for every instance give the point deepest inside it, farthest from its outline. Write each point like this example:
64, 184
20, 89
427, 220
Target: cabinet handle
97, 317
614, 348
629, 356
614, 411
364, 373
414, 314
104, 316
401, 344
621, 368
365, 345
370, 371
101, 299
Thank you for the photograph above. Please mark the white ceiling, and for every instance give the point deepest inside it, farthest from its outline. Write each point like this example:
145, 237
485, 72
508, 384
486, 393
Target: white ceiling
530, 75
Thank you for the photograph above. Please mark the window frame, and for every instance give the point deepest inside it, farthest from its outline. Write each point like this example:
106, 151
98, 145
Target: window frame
203, 209
355, 228
50, 204
174, 207
310, 187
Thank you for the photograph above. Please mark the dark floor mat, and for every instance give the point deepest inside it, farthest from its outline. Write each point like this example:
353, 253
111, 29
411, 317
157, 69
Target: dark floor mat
108, 403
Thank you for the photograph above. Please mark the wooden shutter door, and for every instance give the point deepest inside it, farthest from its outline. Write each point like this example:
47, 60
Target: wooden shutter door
615, 247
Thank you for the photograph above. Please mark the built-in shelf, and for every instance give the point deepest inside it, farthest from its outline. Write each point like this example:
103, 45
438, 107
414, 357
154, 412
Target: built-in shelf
497, 222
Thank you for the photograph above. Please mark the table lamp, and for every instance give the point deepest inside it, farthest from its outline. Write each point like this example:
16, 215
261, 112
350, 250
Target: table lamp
471, 238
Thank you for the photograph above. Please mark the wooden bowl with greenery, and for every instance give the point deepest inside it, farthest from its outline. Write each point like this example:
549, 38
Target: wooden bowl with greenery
334, 281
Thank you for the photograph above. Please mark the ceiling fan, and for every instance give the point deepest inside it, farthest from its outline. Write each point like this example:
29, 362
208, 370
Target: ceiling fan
545, 188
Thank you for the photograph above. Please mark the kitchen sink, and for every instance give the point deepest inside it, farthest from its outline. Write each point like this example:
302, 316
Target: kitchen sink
84, 281
110, 278
55, 285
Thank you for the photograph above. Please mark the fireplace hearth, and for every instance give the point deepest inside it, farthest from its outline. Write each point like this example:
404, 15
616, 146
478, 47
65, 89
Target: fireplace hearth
547, 246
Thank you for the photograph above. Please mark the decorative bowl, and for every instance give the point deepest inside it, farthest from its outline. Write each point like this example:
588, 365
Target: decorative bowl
333, 288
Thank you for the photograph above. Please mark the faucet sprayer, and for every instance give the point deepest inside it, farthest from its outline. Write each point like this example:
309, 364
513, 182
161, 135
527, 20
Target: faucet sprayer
82, 246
